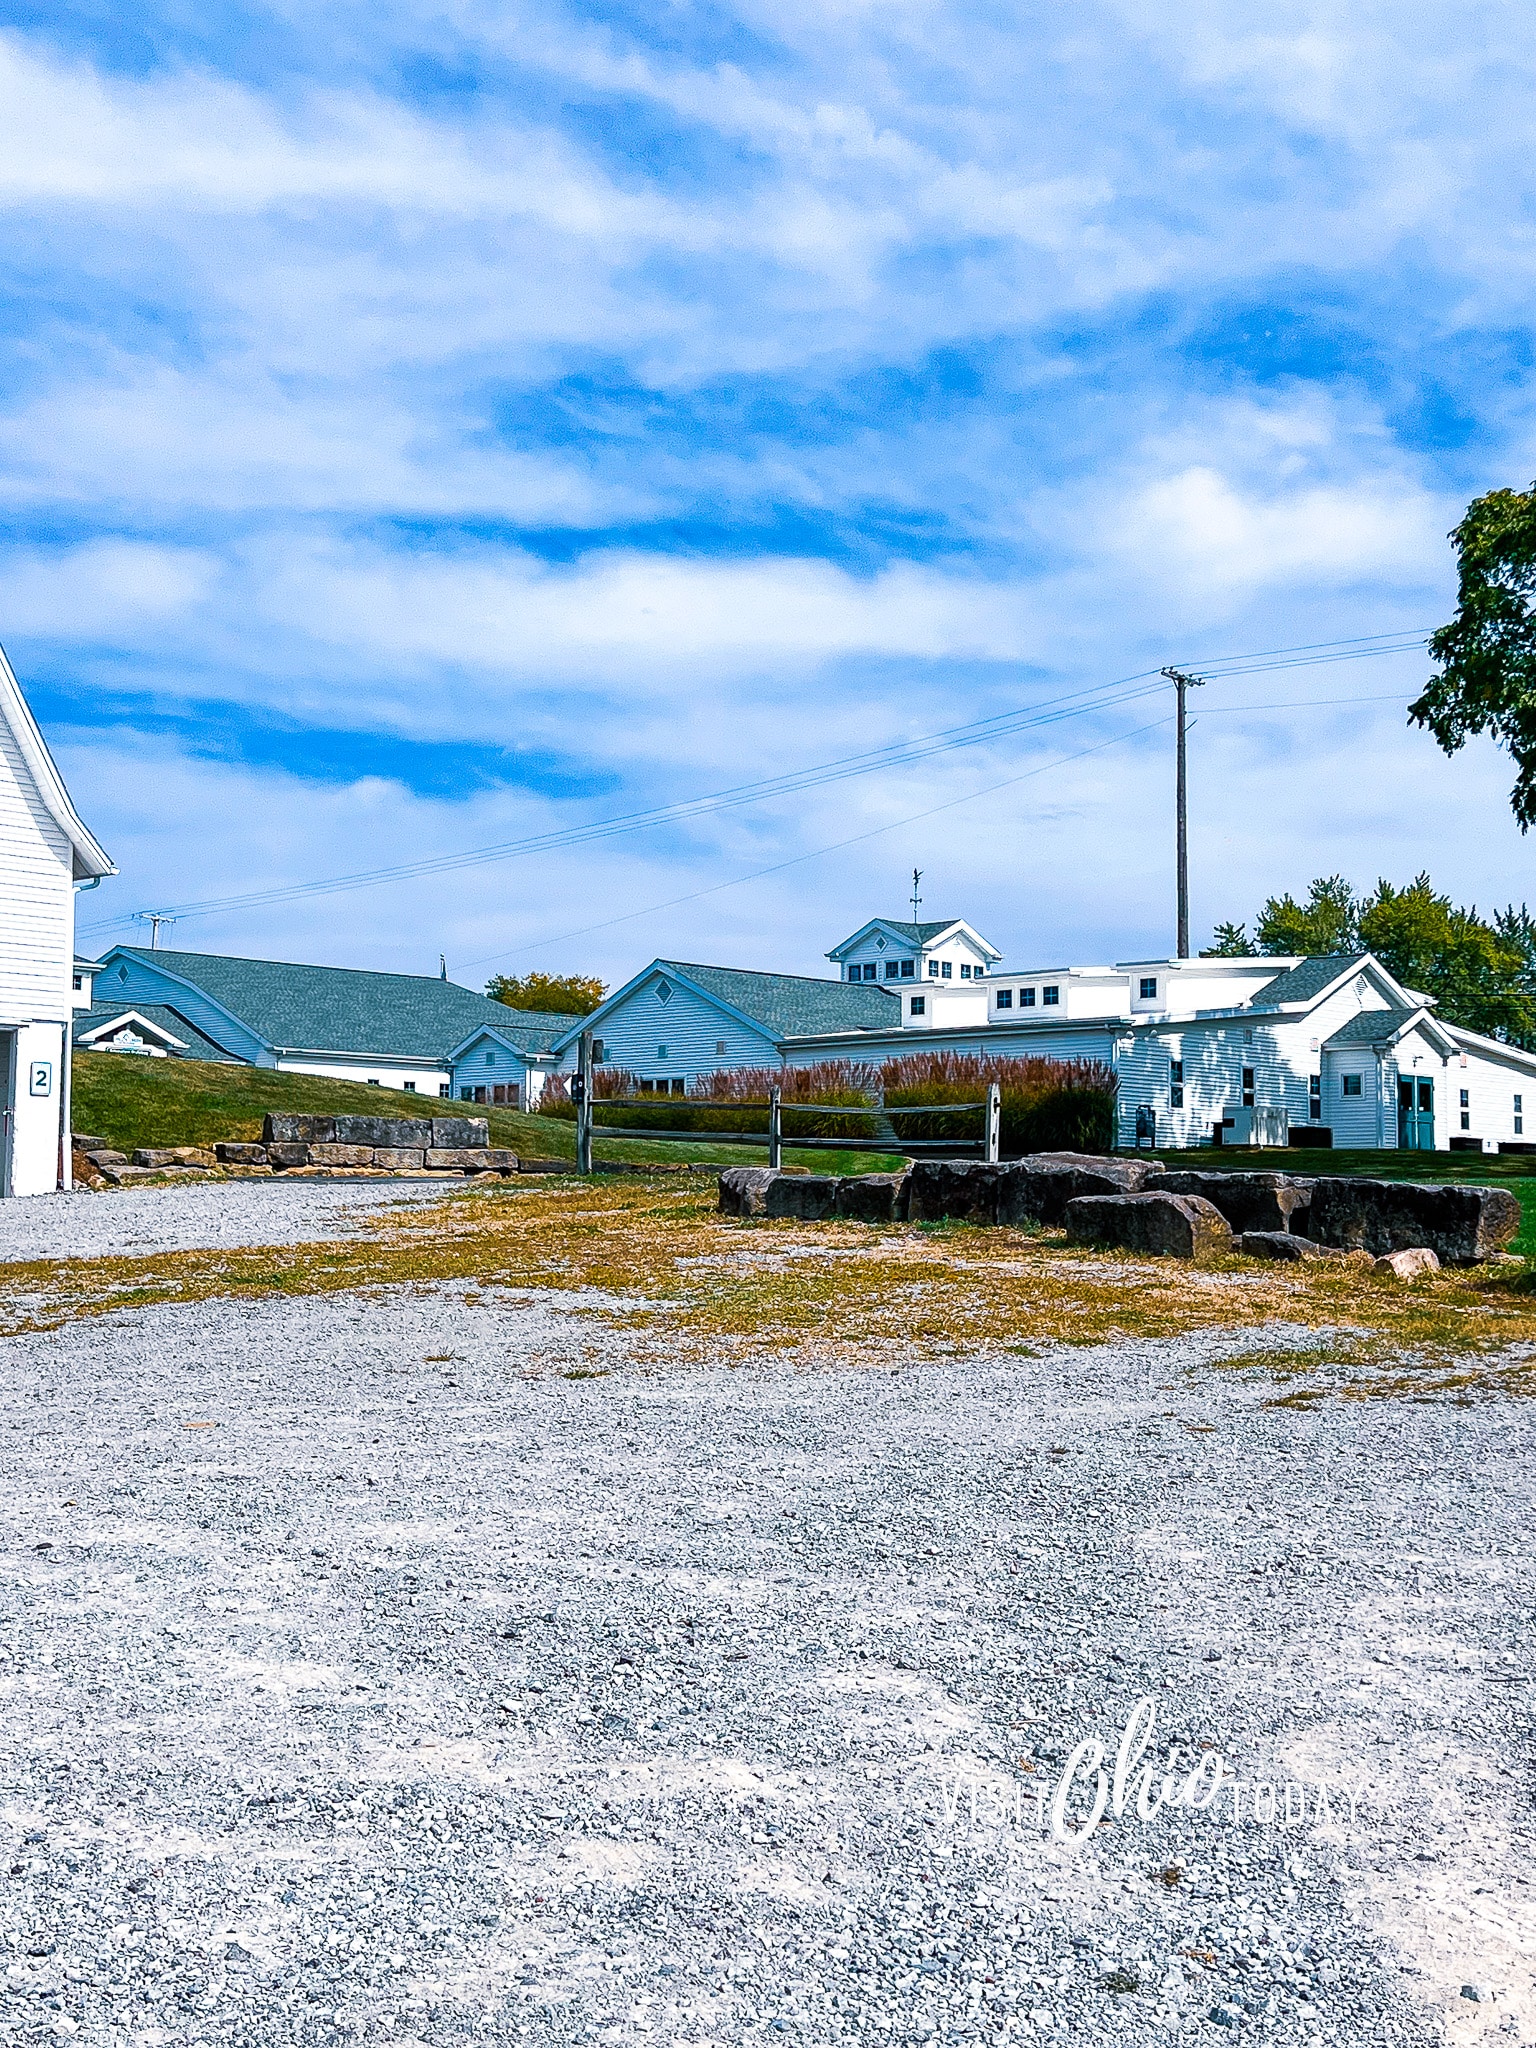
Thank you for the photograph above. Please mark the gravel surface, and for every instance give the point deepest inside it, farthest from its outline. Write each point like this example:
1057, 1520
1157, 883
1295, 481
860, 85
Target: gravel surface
413, 1668
143, 1220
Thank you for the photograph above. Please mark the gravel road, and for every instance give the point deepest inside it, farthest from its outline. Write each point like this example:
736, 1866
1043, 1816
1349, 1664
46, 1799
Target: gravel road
413, 1668
139, 1221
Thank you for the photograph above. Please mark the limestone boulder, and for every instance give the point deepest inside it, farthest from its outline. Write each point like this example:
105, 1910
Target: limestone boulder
961, 1190
286, 1153
759, 1191
411, 1132
456, 1158
241, 1155
1408, 1265
872, 1197
289, 1129
1281, 1244
457, 1133
1460, 1225
1167, 1226
173, 1155
1249, 1201
742, 1189
400, 1158
341, 1155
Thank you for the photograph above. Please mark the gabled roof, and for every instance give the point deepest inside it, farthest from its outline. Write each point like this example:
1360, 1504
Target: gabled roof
90, 862
1309, 979
524, 1031
183, 1039
1385, 1027
778, 1005
297, 1008
916, 935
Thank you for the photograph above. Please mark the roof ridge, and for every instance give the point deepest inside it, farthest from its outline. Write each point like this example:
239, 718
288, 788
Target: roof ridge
762, 973
160, 954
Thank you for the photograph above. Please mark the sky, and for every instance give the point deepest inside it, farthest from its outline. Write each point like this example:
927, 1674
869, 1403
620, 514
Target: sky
427, 430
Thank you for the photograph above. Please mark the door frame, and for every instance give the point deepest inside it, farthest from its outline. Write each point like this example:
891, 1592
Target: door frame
8, 1072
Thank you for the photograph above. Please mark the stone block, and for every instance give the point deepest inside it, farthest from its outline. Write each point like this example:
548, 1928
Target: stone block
1460, 1225
809, 1196
105, 1157
961, 1190
872, 1197
400, 1158
282, 1153
297, 1130
242, 1155
1407, 1265
500, 1160
341, 1155
173, 1155
1169, 1226
81, 1143
1038, 1188
412, 1132
456, 1158
1249, 1201
742, 1188
1281, 1244
460, 1133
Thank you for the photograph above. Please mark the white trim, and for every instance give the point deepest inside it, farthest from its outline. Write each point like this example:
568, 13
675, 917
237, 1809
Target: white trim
91, 862
136, 1017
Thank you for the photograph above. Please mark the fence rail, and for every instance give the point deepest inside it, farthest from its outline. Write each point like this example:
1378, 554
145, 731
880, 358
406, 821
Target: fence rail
986, 1146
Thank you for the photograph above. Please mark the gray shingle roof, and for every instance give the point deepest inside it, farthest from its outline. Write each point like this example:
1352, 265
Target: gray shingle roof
1301, 983
796, 1005
1371, 1027
532, 1030
339, 1009
918, 934
199, 1046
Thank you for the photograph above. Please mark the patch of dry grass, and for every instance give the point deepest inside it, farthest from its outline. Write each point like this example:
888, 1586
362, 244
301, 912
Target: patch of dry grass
693, 1283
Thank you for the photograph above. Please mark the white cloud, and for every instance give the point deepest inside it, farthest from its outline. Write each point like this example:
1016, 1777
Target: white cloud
102, 590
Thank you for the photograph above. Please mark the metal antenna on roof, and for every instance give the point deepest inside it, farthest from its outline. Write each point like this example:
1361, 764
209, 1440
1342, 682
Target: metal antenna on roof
917, 876
442, 966
154, 919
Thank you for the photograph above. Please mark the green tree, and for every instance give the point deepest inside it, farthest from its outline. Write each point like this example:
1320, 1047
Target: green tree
566, 995
1326, 923
1230, 942
1487, 654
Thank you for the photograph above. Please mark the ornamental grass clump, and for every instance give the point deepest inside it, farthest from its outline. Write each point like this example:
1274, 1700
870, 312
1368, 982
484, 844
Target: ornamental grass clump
1047, 1105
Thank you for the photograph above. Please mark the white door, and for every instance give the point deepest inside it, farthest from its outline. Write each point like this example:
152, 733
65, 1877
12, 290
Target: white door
7, 1107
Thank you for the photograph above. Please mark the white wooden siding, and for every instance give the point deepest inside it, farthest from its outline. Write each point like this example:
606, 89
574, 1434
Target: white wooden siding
37, 898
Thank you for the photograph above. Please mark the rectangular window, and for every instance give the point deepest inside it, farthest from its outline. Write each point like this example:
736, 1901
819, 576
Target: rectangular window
490, 1058
872, 971
892, 970
1026, 999
661, 1052
410, 1088
1005, 999
1354, 1084
479, 1095
1176, 1071
1175, 1096
600, 1052
1519, 1126
978, 974
855, 973
908, 969
1519, 1105
1050, 995
933, 970
1148, 987
719, 1045
1247, 1087
1466, 1098
445, 1088
1466, 1119
944, 969
466, 1095
965, 972
919, 1006
679, 1084
79, 981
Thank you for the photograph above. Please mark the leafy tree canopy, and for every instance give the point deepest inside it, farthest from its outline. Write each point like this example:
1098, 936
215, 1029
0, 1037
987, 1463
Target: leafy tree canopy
567, 995
1481, 974
1487, 654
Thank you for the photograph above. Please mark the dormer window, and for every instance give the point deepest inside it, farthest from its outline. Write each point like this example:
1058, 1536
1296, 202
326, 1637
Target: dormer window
1026, 999
1005, 999
1149, 988
1050, 994
945, 968
908, 970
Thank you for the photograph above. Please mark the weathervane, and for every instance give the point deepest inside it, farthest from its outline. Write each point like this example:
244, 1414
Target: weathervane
917, 876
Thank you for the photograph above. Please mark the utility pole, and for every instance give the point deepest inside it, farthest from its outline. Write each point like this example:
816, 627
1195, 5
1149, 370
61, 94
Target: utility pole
154, 919
1182, 683
917, 876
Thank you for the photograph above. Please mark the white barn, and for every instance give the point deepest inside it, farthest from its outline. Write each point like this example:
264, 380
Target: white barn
46, 854
1206, 1052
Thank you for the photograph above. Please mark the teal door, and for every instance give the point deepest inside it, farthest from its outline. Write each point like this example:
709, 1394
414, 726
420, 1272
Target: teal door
1416, 1115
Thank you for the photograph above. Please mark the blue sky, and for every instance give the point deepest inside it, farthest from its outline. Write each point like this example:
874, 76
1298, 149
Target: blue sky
425, 429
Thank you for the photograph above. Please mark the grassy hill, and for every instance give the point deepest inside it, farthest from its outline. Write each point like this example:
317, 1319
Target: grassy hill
136, 1101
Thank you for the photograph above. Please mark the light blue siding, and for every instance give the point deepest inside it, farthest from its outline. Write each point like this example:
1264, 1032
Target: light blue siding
489, 1064
692, 1028
122, 978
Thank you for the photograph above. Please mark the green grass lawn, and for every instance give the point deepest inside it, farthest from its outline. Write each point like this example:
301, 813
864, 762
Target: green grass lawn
1514, 1170
136, 1101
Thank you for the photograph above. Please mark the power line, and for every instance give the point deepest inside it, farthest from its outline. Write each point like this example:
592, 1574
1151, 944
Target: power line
895, 754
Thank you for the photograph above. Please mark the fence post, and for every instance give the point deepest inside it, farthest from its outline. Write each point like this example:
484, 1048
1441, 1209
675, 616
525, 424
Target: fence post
775, 1129
584, 1103
994, 1123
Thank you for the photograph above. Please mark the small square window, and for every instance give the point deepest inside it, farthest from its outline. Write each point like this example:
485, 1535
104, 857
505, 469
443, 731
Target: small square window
1148, 987
908, 969
445, 1088
1050, 995
892, 970
1026, 999
945, 968
1353, 1084
1005, 999
410, 1088
872, 971
855, 972
1466, 1098
919, 1006
978, 974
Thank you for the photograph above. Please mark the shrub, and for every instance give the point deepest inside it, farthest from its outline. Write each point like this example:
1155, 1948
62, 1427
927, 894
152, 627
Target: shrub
1047, 1105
